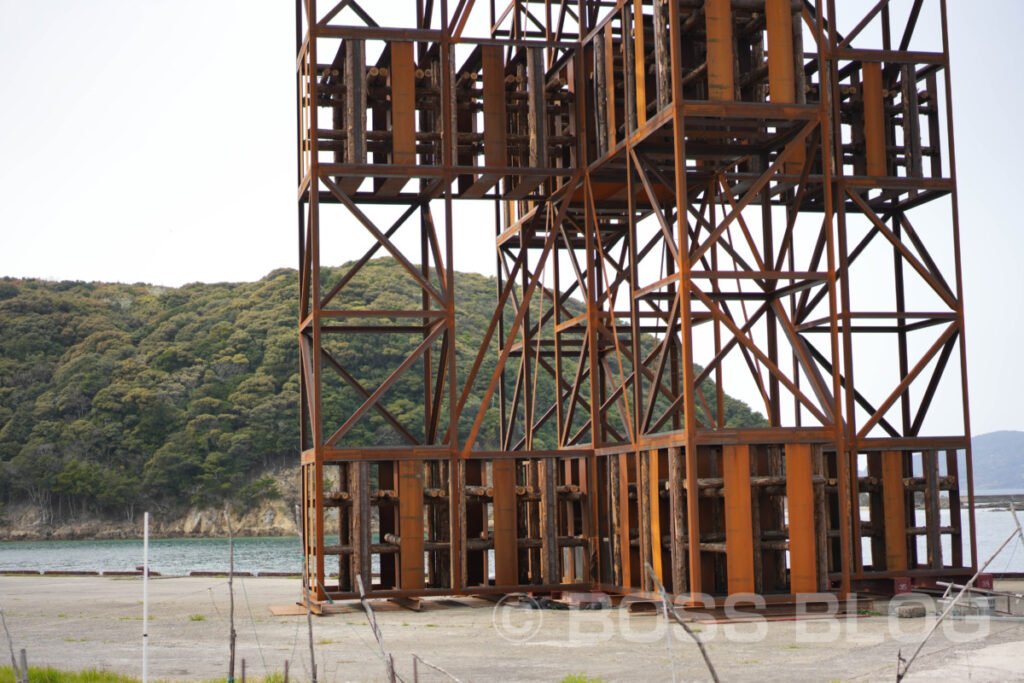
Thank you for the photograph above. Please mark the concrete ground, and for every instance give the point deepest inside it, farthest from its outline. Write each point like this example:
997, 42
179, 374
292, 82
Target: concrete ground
96, 622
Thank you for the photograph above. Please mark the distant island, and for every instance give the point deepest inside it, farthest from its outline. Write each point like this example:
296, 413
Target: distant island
998, 459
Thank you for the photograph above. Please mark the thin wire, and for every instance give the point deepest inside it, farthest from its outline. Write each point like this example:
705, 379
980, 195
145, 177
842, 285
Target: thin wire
374, 650
214, 602
944, 648
245, 594
295, 638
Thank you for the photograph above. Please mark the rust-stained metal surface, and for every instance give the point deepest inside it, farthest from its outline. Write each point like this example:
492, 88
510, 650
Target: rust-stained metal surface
687, 196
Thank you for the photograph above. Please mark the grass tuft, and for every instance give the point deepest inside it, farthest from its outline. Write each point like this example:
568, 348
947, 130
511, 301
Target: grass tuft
51, 675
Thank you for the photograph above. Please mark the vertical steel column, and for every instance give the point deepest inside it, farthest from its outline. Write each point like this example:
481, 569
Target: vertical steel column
803, 560
739, 530
894, 505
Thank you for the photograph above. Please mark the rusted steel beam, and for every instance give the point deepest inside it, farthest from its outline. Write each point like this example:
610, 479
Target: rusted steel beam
403, 114
506, 551
715, 108
719, 29
803, 561
739, 531
874, 120
410, 514
894, 505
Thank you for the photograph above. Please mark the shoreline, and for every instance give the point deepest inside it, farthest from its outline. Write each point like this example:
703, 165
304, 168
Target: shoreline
29, 523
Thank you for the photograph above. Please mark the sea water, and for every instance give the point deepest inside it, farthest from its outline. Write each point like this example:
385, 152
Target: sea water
179, 556
169, 556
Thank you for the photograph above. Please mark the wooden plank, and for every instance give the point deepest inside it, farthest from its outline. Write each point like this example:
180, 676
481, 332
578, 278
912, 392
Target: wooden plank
718, 22
874, 119
410, 520
803, 561
503, 475
895, 511
403, 114
739, 530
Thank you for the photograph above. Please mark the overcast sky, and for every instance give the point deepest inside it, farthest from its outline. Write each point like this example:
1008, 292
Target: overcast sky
153, 141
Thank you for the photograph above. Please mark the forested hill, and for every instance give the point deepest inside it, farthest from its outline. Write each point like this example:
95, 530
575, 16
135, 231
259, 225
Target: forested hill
117, 396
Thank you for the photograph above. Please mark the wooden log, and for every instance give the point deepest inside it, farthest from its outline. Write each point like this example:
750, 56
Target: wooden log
820, 520
609, 90
930, 463
537, 116
911, 121
677, 507
548, 518
355, 108
646, 533
628, 74
956, 545
616, 519
600, 90
662, 56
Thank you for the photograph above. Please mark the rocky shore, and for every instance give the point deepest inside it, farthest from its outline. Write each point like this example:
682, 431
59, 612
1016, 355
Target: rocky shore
270, 518
26, 523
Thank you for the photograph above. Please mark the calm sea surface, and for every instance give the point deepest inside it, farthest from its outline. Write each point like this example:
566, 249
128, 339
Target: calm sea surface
180, 556
167, 556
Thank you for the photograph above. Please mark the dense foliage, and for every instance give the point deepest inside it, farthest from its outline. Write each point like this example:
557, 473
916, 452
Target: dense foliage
113, 396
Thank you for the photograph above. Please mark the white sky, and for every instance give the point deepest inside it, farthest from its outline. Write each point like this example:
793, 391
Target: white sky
154, 141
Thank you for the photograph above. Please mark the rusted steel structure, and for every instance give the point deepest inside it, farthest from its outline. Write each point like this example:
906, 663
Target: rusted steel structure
687, 196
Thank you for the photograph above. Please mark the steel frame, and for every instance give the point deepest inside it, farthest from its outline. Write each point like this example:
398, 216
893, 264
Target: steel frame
680, 189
